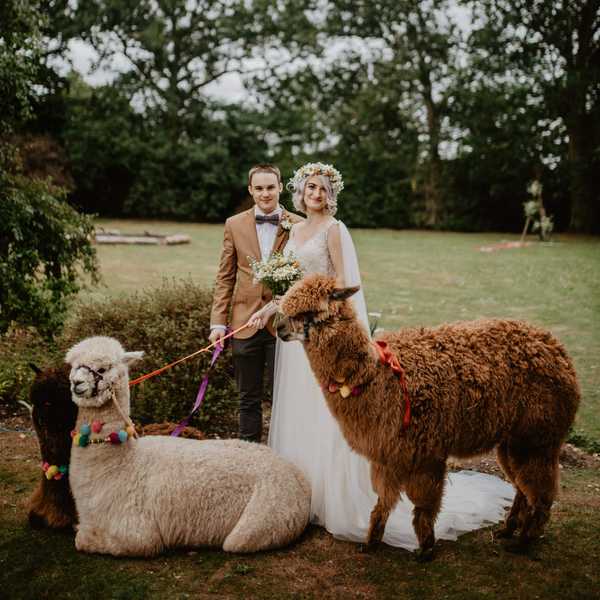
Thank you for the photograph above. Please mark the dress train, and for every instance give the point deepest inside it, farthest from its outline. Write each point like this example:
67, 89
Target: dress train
304, 432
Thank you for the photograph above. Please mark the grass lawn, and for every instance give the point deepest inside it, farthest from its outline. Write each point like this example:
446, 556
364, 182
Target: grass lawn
44, 564
421, 278
412, 278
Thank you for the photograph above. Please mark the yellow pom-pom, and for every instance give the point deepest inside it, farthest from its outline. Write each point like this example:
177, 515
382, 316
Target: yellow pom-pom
51, 472
345, 391
340, 379
130, 431
76, 439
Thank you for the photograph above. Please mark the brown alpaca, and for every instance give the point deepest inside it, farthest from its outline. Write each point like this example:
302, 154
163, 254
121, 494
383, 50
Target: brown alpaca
472, 386
54, 415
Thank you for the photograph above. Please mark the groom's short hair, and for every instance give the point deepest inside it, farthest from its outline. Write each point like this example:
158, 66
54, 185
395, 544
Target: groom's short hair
264, 168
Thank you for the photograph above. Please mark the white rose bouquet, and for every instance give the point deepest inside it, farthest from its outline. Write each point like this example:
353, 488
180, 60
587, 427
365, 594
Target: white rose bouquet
278, 272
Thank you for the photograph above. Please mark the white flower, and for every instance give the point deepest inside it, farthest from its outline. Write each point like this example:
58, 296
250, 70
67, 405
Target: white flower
278, 272
285, 224
310, 169
535, 188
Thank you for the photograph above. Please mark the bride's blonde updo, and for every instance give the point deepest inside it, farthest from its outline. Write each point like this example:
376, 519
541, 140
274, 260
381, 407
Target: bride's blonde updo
329, 177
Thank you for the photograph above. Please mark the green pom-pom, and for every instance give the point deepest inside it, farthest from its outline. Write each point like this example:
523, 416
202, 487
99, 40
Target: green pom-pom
84, 440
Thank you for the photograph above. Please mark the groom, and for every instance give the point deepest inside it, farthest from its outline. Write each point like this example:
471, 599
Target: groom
257, 233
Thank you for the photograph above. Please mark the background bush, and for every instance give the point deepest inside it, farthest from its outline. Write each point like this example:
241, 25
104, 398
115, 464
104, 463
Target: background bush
167, 323
19, 347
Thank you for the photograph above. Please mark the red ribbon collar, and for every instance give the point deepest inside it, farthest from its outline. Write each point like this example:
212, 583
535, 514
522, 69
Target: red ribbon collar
387, 357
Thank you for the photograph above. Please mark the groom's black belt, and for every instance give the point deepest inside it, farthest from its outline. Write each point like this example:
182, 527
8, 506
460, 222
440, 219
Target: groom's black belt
273, 219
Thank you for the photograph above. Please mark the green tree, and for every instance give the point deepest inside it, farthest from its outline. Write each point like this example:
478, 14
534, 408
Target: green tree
19, 61
44, 245
43, 242
178, 152
556, 47
415, 47
504, 139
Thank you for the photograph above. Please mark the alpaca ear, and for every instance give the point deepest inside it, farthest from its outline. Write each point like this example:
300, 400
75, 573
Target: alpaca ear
130, 357
343, 293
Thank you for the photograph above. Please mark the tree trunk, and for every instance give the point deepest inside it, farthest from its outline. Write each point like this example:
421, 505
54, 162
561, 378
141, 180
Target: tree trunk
579, 121
433, 187
583, 193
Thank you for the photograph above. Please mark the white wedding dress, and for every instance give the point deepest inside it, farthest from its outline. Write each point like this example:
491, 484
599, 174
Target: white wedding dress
304, 432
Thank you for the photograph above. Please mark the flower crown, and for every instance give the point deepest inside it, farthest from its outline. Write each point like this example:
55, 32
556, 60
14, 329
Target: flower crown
310, 169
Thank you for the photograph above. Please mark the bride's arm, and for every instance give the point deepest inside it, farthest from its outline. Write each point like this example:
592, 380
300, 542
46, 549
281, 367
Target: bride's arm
334, 243
261, 317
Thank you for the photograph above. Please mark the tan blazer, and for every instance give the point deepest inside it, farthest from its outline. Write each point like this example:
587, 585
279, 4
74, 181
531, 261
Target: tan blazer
235, 279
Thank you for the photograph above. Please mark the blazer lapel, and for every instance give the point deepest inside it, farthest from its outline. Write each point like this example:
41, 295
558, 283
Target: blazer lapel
282, 234
250, 225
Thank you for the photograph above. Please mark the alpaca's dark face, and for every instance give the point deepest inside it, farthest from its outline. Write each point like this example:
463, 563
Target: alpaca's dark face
310, 303
53, 413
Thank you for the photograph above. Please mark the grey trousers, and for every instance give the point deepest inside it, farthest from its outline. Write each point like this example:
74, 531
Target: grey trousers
253, 362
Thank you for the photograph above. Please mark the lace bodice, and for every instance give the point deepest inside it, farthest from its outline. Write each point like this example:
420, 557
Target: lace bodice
313, 254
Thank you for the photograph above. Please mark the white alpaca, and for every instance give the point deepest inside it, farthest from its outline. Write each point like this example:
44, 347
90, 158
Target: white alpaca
138, 497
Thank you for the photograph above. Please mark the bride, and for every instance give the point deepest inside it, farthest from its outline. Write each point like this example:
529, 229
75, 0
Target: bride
303, 430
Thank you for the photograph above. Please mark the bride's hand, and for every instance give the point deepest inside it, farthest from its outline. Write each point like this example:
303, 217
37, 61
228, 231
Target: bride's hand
256, 320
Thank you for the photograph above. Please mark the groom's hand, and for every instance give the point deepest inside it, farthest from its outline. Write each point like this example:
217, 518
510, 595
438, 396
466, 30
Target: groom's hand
217, 335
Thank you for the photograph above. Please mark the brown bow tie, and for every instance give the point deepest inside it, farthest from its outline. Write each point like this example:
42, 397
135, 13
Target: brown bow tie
273, 219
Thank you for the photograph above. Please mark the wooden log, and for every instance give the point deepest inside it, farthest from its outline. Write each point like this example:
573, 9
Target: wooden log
145, 239
126, 239
178, 238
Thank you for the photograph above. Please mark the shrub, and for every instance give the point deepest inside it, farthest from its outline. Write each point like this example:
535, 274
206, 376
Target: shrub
45, 248
584, 441
19, 347
167, 323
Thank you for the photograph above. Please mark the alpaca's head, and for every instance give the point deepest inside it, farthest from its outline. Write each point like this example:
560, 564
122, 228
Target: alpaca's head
53, 415
313, 302
98, 364
52, 411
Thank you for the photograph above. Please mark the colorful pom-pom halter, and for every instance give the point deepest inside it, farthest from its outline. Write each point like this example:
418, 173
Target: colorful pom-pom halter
55, 471
83, 437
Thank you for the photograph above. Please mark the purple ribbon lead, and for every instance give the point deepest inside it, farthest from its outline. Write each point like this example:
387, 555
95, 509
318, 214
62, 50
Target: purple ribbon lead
201, 392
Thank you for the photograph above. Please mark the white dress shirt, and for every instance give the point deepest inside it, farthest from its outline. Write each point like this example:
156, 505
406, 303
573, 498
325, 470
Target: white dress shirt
266, 232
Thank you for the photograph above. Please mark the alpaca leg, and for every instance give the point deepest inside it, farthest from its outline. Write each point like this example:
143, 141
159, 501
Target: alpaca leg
536, 477
514, 519
539, 480
269, 522
425, 490
135, 540
388, 488
378, 520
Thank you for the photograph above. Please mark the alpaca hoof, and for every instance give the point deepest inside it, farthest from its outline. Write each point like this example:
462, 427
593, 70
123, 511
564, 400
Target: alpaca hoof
369, 546
503, 533
518, 547
424, 555
36, 521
